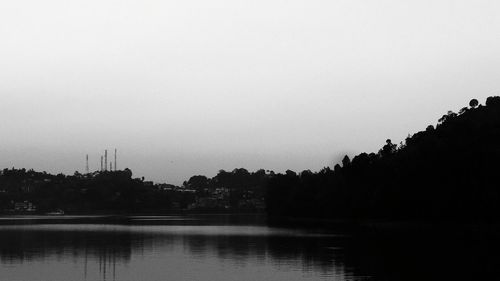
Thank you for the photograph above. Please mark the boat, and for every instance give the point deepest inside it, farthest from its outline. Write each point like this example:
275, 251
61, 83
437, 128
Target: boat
58, 212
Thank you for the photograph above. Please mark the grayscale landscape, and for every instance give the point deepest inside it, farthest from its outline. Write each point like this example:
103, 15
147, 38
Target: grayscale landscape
274, 140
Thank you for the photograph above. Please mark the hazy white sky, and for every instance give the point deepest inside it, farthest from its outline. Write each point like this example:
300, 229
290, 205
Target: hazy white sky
191, 87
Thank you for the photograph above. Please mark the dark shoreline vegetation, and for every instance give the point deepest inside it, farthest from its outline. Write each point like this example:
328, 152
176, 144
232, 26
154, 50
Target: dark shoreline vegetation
449, 172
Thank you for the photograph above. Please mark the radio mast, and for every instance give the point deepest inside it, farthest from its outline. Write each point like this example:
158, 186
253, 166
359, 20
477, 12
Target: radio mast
87, 164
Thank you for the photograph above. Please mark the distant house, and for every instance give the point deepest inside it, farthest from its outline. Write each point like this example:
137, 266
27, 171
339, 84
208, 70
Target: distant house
221, 193
148, 183
24, 206
166, 187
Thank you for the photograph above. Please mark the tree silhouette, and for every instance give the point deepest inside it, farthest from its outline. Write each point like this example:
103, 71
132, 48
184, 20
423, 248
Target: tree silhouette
473, 103
346, 161
388, 148
493, 101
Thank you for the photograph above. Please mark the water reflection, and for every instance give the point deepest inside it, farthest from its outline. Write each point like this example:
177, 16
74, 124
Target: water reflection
207, 249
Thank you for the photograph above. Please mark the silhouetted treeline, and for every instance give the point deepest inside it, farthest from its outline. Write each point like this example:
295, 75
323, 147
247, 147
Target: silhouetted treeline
234, 190
450, 171
106, 191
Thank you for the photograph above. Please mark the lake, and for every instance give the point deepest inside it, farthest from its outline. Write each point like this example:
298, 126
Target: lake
226, 247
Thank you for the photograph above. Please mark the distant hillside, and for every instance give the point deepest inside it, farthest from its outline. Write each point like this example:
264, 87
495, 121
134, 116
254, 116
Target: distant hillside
28, 191
117, 192
449, 171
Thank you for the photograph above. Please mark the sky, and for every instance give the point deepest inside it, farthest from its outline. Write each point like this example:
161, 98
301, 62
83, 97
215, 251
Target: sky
191, 87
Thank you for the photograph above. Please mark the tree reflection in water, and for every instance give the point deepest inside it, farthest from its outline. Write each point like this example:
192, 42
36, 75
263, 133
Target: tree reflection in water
190, 251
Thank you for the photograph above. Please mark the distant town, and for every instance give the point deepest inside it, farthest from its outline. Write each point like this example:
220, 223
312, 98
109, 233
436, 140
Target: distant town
29, 192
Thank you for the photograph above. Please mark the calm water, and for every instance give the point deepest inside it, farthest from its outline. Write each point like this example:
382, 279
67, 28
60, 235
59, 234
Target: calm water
228, 248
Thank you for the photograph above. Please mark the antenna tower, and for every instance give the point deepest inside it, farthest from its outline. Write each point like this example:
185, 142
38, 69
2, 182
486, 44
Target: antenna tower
87, 164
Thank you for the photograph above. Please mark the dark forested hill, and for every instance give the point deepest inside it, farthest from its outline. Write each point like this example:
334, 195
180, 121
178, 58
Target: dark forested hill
450, 171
